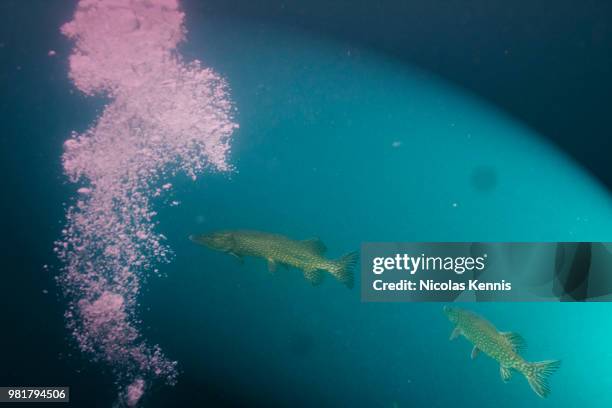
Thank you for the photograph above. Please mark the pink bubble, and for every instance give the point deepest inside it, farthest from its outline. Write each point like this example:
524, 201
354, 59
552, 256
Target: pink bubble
166, 116
134, 392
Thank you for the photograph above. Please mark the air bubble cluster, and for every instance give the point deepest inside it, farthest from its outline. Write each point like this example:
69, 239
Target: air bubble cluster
164, 116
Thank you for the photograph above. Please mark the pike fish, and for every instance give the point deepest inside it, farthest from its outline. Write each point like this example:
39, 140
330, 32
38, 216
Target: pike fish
501, 346
307, 255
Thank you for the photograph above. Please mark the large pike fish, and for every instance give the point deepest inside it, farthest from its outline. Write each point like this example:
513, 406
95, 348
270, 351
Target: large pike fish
503, 347
277, 249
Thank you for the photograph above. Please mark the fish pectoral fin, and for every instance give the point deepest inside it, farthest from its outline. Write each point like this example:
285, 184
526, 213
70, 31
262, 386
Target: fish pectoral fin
271, 265
314, 276
238, 257
516, 341
456, 333
316, 245
505, 373
475, 352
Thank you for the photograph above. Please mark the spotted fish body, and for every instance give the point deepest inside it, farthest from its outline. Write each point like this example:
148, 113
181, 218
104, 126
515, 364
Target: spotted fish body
277, 249
501, 346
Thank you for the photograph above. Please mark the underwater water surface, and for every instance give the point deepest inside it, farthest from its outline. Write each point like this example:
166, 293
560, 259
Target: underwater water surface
342, 144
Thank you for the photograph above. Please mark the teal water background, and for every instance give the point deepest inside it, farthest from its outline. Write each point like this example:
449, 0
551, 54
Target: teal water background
315, 156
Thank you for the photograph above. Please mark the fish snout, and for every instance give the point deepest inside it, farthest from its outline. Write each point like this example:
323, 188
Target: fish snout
448, 311
198, 239
451, 313
219, 241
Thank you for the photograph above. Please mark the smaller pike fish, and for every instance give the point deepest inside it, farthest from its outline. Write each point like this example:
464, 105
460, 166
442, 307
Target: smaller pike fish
277, 249
503, 347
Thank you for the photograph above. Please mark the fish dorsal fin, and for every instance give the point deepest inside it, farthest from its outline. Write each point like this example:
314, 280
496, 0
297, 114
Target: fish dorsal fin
516, 341
505, 373
316, 245
314, 276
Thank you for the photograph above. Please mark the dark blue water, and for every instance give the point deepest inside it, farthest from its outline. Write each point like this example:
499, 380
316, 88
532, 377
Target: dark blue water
344, 144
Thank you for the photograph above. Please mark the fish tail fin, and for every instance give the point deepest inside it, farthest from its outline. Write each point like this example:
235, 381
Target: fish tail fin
537, 374
342, 269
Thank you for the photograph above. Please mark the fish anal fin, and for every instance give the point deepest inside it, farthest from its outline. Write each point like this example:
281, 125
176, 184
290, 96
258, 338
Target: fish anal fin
456, 333
475, 352
505, 373
271, 265
516, 341
314, 276
316, 245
